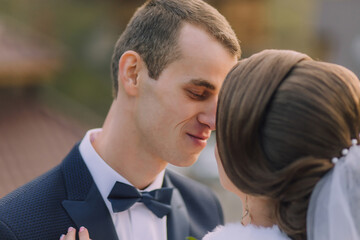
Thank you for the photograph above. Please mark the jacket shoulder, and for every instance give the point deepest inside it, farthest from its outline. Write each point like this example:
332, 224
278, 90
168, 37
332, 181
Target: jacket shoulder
36, 204
35, 190
5, 232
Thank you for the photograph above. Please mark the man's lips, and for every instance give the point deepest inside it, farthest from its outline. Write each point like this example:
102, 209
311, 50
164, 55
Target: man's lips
199, 140
200, 137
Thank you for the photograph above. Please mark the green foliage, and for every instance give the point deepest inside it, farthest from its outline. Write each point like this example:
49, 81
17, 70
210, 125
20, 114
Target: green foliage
74, 28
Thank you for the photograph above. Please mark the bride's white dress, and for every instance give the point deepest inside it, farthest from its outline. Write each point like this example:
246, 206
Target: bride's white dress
236, 231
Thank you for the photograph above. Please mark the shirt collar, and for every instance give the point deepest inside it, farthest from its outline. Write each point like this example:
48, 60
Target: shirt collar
104, 176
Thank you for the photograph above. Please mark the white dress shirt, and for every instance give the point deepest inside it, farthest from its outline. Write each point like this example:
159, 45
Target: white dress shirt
136, 223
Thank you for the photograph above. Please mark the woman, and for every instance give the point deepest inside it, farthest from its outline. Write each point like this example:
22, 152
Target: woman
287, 133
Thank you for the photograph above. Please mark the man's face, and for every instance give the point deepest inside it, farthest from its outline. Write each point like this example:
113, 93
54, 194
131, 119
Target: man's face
175, 114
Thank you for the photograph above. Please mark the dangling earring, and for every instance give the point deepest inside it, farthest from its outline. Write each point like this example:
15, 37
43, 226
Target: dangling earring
246, 213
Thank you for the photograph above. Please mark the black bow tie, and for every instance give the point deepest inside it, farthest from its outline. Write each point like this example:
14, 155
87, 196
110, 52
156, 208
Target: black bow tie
123, 196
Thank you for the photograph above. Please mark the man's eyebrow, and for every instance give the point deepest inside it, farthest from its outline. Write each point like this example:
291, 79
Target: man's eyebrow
202, 83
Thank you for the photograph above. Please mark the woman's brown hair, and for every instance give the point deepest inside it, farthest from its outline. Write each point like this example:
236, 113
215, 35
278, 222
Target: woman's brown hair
281, 117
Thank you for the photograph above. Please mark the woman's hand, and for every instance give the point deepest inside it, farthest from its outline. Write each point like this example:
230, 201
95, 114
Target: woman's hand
71, 234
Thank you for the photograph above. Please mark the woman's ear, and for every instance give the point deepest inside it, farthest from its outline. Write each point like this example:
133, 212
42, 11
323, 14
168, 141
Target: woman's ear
130, 64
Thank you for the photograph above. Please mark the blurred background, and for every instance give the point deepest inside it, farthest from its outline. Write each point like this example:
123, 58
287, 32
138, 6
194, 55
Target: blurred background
55, 76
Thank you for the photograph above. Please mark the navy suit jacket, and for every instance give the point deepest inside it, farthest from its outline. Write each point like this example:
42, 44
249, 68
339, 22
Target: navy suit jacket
67, 196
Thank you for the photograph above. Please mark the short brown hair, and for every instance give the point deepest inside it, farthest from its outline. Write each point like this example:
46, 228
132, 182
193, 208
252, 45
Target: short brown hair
281, 117
153, 32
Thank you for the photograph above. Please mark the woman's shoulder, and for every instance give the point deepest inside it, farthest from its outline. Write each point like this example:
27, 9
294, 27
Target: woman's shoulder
236, 231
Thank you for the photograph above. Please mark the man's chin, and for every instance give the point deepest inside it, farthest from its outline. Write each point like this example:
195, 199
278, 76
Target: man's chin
186, 163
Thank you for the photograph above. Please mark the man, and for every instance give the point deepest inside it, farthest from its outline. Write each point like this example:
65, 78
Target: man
168, 67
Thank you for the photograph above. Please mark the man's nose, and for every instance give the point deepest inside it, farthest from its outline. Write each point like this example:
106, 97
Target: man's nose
208, 115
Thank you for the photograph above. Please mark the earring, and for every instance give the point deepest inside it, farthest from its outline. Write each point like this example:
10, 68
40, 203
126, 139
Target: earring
246, 213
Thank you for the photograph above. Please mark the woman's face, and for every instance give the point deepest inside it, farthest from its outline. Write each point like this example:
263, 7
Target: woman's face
256, 205
224, 179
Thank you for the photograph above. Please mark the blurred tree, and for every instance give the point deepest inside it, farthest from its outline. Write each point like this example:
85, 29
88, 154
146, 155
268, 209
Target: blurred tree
89, 30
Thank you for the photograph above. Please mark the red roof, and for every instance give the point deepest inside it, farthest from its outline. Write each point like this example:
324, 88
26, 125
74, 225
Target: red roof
33, 139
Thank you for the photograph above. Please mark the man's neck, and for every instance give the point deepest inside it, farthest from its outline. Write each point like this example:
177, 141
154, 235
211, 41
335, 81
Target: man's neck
119, 150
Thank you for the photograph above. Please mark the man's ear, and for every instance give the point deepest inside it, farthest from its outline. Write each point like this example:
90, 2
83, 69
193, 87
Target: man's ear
130, 64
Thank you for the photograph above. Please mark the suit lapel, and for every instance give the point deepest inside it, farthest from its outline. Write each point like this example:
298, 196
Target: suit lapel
178, 225
85, 205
